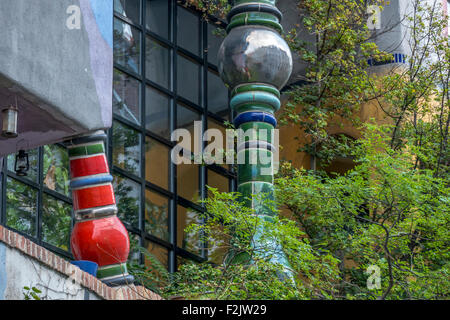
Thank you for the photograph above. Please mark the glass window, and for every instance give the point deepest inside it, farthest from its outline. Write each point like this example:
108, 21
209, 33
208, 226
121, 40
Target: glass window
157, 112
156, 215
128, 199
157, 17
188, 181
188, 79
126, 96
157, 163
189, 241
218, 181
56, 222
33, 157
215, 39
217, 95
135, 244
188, 30
158, 252
157, 62
175, 86
129, 9
56, 169
127, 45
126, 148
21, 206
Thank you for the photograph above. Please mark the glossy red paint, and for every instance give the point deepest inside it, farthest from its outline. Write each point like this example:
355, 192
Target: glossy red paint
104, 241
88, 166
93, 197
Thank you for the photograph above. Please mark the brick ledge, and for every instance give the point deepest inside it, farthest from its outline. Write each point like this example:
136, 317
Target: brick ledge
48, 258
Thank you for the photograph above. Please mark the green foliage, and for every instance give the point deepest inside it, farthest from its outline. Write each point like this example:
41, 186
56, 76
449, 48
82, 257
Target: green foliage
384, 213
336, 82
31, 293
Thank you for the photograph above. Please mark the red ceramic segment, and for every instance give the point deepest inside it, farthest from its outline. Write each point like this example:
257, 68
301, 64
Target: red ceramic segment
88, 166
104, 241
93, 197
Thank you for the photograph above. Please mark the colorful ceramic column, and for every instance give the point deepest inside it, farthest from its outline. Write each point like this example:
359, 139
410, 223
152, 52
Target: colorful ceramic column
255, 63
98, 235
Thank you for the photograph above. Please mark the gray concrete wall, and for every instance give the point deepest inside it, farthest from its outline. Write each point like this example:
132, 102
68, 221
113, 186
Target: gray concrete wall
56, 60
18, 270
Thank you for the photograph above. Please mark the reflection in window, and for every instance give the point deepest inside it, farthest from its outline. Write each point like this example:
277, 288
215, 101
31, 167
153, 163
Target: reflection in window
188, 76
157, 17
156, 215
128, 196
126, 46
188, 241
157, 63
215, 38
21, 207
33, 156
217, 95
218, 181
157, 252
157, 164
188, 181
188, 30
126, 96
56, 222
129, 9
157, 112
126, 148
135, 253
56, 169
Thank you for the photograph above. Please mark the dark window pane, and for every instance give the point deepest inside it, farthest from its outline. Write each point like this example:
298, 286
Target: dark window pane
126, 148
157, 63
188, 79
128, 199
218, 181
217, 95
32, 173
56, 169
188, 181
157, 112
213, 124
128, 8
56, 222
135, 253
126, 97
215, 38
127, 46
186, 119
157, 17
21, 207
218, 245
157, 163
157, 252
156, 215
189, 241
188, 25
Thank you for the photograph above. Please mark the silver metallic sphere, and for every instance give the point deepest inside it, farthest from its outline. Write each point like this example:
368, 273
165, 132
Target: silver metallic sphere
254, 54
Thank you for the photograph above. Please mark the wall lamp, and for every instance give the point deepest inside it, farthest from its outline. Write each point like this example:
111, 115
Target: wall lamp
9, 122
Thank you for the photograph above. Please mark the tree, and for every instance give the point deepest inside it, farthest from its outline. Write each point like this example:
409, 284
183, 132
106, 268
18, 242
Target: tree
389, 213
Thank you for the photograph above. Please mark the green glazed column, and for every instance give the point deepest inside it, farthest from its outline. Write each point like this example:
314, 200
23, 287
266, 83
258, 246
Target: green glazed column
255, 63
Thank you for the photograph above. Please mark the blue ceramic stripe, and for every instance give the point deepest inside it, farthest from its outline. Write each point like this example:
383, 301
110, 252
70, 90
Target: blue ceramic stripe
257, 97
90, 181
254, 117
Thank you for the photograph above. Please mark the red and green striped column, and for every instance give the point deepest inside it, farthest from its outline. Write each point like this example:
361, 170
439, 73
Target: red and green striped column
98, 235
255, 63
